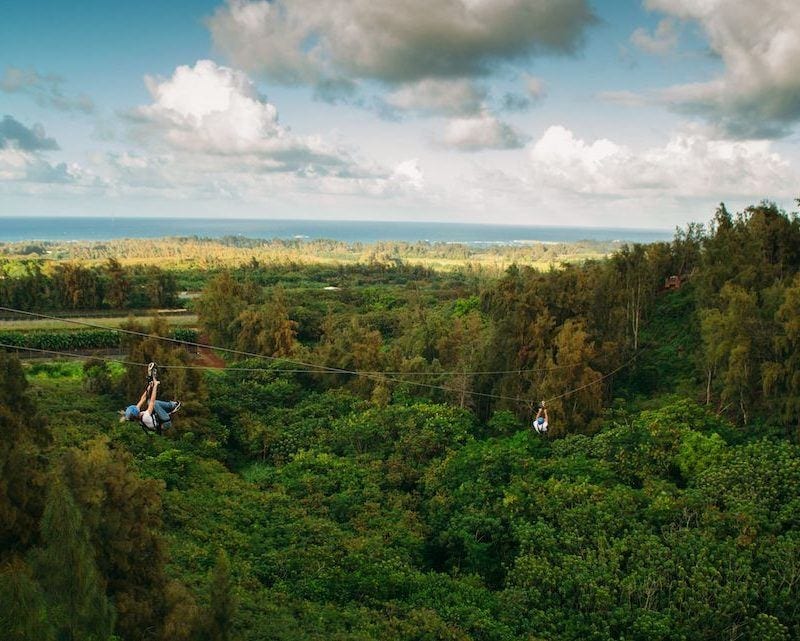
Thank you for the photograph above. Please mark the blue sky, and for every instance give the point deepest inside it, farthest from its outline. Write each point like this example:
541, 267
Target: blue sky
643, 114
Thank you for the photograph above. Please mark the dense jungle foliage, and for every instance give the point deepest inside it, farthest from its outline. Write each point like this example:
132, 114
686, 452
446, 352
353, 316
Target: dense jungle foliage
413, 501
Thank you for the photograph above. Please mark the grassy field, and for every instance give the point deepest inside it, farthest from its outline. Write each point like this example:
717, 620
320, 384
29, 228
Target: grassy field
28, 324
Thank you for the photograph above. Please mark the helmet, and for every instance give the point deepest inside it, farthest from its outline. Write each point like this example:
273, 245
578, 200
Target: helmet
540, 420
131, 412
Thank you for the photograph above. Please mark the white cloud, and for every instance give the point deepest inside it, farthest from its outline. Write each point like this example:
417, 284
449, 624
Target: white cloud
484, 131
438, 96
662, 41
690, 164
573, 181
23, 160
217, 111
209, 135
394, 41
758, 94
30, 168
409, 173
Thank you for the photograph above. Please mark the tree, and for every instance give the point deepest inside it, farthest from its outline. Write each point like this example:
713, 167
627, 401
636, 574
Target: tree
119, 286
78, 287
222, 606
637, 283
773, 242
781, 376
731, 345
97, 376
248, 328
219, 306
281, 331
23, 612
122, 514
183, 619
463, 349
30, 290
571, 377
23, 440
687, 248
66, 569
268, 330
161, 287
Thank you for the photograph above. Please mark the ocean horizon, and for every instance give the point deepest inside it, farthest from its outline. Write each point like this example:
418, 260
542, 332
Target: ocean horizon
88, 228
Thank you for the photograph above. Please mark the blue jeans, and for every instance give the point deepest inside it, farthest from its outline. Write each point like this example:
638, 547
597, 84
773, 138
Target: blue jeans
162, 410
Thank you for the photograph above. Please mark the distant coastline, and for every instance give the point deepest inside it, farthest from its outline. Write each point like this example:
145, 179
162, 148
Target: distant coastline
65, 229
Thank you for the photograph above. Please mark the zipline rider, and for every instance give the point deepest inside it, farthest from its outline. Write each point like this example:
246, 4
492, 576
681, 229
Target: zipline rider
158, 415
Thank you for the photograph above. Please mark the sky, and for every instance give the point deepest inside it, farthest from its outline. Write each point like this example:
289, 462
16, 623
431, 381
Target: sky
618, 113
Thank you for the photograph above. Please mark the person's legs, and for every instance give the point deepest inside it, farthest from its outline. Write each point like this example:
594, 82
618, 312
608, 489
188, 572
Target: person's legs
163, 409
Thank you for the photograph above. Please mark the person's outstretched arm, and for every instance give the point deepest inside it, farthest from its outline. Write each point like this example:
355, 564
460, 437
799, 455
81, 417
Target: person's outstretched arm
151, 406
143, 398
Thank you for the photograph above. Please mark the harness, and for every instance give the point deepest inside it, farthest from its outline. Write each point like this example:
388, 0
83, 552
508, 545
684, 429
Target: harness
157, 424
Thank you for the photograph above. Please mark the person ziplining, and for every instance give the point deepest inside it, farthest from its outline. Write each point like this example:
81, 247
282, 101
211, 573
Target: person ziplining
158, 415
540, 423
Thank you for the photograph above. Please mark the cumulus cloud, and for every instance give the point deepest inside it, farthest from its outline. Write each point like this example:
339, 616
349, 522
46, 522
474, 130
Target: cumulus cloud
601, 181
22, 159
21, 167
217, 111
207, 134
393, 41
662, 41
690, 164
480, 132
14, 134
437, 96
758, 94
45, 89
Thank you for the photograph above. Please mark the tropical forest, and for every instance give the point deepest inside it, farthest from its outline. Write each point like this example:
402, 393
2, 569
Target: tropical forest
355, 455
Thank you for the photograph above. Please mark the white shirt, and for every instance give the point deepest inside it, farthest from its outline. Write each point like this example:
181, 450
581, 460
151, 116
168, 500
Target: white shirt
148, 420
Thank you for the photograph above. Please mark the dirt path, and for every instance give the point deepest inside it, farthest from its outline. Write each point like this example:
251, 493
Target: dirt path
207, 358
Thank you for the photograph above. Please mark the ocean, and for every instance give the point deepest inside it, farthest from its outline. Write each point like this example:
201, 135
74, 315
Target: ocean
57, 228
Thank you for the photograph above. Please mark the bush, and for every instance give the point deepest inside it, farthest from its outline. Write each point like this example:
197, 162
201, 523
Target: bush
97, 376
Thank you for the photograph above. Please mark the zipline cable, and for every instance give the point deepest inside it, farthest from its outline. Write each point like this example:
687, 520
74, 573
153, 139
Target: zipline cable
614, 371
322, 369
596, 381
69, 354
256, 369
318, 369
173, 340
